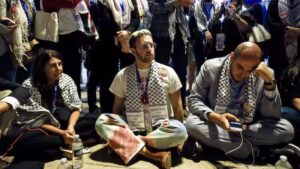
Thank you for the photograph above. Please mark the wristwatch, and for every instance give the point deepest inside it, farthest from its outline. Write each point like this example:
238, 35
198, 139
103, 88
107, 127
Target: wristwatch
270, 85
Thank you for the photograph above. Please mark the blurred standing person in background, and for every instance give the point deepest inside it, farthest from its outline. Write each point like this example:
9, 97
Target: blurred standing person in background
170, 31
284, 22
204, 11
114, 20
16, 17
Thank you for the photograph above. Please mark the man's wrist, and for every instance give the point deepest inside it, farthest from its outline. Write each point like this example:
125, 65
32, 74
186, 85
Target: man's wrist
271, 85
4, 107
236, 17
207, 115
211, 116
11, 101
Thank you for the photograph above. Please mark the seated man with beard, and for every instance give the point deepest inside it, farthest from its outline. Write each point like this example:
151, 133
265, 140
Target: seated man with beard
144, 93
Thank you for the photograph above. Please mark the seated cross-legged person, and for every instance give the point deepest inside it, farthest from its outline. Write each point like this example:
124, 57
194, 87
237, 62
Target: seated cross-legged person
51, 117
147, 92
237, 88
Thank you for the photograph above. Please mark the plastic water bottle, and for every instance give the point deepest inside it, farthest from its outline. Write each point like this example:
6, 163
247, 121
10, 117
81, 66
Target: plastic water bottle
283, 163
64, 164
77, 148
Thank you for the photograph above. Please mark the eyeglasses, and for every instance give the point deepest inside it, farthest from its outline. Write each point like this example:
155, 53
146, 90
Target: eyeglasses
148, 45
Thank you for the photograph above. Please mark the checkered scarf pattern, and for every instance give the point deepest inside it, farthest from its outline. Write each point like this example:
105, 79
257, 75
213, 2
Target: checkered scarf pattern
156, 91
224, 94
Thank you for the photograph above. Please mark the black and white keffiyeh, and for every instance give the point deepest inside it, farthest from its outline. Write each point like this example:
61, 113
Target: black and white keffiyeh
121, 16
156, 91
224, 95
32, 114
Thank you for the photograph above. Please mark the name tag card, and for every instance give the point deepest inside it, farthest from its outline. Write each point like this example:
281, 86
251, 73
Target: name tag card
136, 120
220, 109
220, 41
158, 113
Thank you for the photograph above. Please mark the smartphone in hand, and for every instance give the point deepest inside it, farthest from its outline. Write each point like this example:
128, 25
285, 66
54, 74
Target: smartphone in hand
236, 126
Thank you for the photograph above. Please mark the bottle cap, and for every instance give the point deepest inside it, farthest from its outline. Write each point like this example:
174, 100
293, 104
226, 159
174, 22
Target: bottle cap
76, 136
63, 160
283, 158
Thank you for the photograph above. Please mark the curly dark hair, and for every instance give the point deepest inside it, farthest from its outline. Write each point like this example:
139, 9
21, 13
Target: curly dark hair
38, 77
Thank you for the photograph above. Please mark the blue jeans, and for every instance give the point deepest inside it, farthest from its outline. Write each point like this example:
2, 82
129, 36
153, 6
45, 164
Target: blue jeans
292, 116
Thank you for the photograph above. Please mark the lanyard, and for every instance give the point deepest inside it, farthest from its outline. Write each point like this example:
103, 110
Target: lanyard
141, 8
207, 8
54, 99
122, 6
144, 95
238, 91
222, 22
26, 10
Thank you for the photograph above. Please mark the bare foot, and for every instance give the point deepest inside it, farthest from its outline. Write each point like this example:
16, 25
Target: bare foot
164, 157
166, 160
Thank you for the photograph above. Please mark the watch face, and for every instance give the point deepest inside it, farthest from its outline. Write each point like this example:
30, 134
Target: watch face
272, 82
268, 83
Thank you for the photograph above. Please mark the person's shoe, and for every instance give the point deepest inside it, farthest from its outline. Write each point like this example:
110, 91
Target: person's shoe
176, 156
166, 162
289, 149
110, 151
6, 161
191, 148
4, 164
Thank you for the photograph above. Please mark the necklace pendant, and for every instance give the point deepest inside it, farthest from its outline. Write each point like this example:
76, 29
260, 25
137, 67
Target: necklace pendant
144, 99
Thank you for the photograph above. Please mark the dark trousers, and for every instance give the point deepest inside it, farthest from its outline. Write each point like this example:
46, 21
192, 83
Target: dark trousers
293, 116
104, 67
44, 145
70, 49
85, 125
27, 165
7, 70
179, 59
198, 48
23, 74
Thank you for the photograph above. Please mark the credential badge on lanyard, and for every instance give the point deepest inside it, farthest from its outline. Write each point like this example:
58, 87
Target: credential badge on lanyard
54, 99
136, 120
220, 109
220, 42
220, 38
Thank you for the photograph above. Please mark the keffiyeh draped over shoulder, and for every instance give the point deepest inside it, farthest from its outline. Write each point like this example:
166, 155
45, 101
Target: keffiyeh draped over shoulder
32, 114
224, 94
21, 11
121, 16
156, 91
